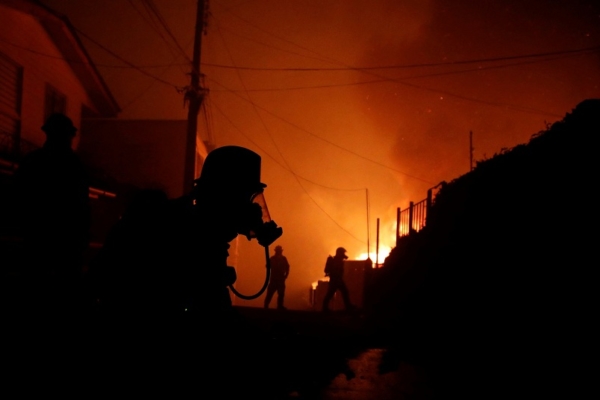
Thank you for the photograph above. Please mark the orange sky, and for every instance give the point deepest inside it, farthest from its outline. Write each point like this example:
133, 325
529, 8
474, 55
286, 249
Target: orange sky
307, 97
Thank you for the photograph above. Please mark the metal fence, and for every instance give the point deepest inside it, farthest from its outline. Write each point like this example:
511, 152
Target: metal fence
413, 218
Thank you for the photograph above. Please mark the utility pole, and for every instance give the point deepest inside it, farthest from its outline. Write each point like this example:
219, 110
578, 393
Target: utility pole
194, 95
377, 247
368, 228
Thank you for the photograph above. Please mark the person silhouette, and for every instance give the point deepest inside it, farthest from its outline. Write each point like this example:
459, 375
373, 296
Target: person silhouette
334, 268
164, 278
227, 201
173, 252
280, 269
54, 212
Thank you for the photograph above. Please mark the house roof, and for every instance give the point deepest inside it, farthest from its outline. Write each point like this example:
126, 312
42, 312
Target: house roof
65, 37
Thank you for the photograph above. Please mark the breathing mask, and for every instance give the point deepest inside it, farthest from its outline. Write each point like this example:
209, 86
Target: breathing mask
264, 229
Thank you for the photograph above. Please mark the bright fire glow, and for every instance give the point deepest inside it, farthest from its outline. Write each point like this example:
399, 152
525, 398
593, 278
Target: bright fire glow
387, 236
384, 251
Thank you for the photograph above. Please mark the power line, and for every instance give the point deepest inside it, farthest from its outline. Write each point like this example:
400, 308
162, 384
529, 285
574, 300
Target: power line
118, 57
70, 61
567, 54
270, 46
149, 21
144, 91
518, 108
321, 138
281, 154
410, 66
366, 71
265, 152
430, 75
129, 66
152, 24
320, 56
154, 10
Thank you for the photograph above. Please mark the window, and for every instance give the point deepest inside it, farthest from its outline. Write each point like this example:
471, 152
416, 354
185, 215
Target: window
11, 86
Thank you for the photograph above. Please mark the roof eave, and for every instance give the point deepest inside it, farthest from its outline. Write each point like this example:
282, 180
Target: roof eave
64, 35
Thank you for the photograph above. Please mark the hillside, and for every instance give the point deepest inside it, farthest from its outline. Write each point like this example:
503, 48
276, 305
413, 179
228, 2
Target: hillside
499, 288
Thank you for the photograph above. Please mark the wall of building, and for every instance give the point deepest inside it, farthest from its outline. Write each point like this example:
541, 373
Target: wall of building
24, 40
143, 153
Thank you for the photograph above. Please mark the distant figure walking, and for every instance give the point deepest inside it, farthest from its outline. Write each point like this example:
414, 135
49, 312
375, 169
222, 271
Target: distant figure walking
54, 211
334, 269
280, 269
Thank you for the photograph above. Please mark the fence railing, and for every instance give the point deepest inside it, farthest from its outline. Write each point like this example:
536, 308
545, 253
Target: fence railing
413, 218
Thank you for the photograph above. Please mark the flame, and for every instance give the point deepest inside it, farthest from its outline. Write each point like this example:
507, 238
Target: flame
387, 238
384, 251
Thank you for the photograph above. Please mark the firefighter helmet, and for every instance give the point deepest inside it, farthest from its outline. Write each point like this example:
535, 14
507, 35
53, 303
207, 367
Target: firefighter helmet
340, 251
232, 168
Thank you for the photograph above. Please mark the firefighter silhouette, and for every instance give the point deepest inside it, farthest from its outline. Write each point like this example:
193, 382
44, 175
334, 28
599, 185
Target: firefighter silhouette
223, 206
178, 264
54, 213
280, 269
334, 268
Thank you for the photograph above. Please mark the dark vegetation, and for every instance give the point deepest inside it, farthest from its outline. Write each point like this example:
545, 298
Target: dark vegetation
498, 294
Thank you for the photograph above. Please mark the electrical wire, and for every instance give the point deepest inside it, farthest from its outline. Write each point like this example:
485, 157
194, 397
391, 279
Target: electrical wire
374, 81
118, 57
566, 54
411, 66
152, 83
274, 159
322, 138
152, 24
281, 154
154, 10
530, 110
369, 72
429, 75
269, 46
318, 55
71, 61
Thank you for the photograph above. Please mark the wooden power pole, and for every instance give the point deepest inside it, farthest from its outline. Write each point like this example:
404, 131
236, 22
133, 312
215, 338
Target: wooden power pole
194, 96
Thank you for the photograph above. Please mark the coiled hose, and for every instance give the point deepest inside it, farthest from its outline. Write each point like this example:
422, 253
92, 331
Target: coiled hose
267, 277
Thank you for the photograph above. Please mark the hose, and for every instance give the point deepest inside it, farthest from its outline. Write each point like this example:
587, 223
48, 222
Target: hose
267, 277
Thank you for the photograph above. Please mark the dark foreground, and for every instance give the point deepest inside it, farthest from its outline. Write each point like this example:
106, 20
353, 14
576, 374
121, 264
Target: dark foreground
256, 353
269, 354
338, 356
